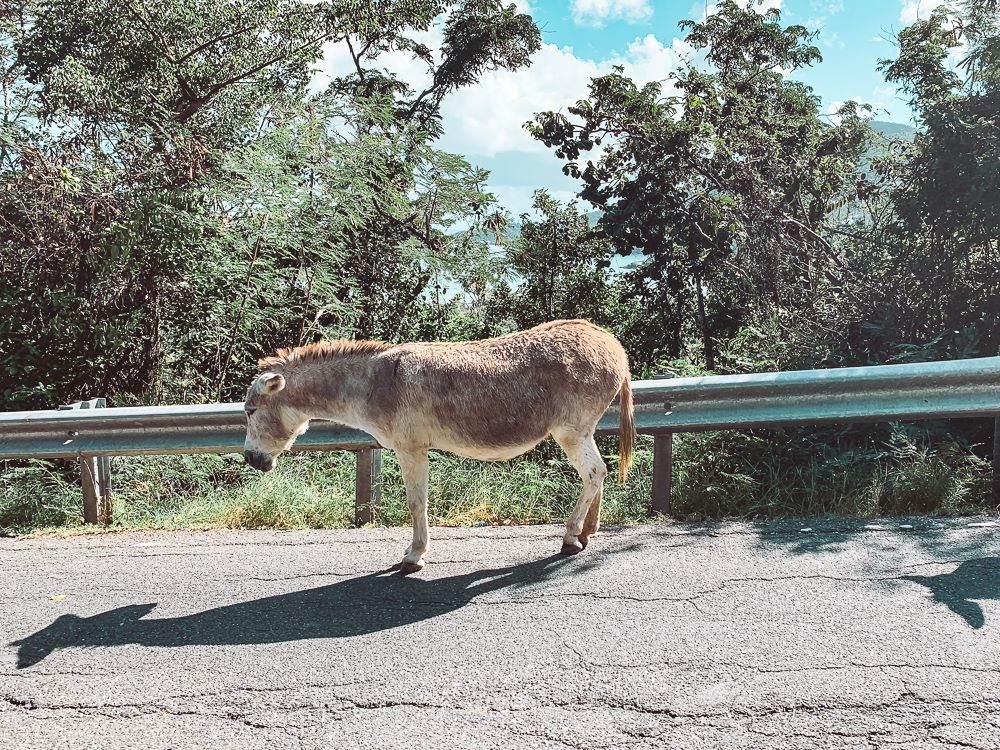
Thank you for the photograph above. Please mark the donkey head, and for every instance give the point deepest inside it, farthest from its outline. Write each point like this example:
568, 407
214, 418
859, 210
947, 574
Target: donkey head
272, 422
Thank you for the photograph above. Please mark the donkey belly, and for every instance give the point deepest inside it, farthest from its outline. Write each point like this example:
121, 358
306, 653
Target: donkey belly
491, 437
485, 452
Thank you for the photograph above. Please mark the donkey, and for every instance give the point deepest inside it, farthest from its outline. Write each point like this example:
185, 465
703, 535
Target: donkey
491, 400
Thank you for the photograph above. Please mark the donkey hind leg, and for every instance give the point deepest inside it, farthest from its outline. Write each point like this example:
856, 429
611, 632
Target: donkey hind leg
592, 522
414, 466
586, 459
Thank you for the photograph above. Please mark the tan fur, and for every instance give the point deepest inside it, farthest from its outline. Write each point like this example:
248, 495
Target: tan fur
491, 399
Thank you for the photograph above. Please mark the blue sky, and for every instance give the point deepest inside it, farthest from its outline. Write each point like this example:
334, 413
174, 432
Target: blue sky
585, 38
854, 35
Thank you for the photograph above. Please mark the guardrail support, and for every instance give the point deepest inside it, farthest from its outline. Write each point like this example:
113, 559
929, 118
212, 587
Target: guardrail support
663, 466
367, 485
95, 476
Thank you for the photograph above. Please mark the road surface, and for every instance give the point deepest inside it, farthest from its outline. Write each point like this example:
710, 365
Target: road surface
671, 636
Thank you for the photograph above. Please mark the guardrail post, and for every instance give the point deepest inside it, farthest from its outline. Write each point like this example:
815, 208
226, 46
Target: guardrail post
367, 486
663, 463
95, 476
996, 461
663, 459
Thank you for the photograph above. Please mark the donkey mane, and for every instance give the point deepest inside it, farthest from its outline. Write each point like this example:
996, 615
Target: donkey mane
322, 351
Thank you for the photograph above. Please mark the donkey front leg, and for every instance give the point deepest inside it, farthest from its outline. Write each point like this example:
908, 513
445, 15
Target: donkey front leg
414, 465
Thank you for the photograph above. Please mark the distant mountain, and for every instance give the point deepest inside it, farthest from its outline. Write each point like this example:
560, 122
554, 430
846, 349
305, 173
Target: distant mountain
894, 130
891, 132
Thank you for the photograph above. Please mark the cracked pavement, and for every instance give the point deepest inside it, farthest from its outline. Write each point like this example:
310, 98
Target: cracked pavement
851, 634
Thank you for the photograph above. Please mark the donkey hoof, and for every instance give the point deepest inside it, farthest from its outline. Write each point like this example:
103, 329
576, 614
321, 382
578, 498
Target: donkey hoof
571, 548
408, 567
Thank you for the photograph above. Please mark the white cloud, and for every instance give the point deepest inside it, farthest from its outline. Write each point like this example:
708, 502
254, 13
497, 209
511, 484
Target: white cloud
830, 40
914, 10
488, 118
829, 7
920, 10
649, 59
833, 110
485, 122
598, 12
888, 105
336, 61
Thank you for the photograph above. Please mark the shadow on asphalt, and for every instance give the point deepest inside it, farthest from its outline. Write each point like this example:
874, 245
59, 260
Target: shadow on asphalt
976, 578
819, 536
356, 606
958, 590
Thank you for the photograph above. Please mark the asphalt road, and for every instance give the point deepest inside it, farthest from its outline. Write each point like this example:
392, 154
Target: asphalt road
735, 636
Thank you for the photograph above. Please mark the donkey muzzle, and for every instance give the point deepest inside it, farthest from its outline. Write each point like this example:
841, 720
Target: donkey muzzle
260, 461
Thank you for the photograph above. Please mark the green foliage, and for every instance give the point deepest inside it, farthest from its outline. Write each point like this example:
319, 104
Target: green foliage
953, 172
307, 491
34, 496
716, 475
724, 185
560, 267
932, 260
158, 65
828, 472
176, 203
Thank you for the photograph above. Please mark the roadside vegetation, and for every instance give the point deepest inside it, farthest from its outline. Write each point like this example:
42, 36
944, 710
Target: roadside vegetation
716, 475
179, 197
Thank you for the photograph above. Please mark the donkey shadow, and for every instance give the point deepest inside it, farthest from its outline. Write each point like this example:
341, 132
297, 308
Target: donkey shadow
973, 579
356, 606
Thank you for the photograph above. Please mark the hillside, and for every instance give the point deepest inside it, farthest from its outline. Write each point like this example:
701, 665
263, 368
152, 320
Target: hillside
894, 130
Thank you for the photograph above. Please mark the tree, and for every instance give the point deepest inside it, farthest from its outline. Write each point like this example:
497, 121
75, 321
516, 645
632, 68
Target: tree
938, 281
560, 266
175, 197
956, 166
724, 184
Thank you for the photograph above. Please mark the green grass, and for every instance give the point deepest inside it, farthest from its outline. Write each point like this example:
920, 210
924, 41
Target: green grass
716, 475
306, 491
731, 474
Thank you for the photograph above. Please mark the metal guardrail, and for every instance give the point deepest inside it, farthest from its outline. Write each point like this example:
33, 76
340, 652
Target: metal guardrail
910, 392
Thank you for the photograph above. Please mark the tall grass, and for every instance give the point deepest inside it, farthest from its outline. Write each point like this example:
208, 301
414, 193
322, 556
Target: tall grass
787, 473
716, 475
306, 491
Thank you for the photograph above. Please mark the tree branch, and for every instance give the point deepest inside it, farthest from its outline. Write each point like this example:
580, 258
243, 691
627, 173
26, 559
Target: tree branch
152, 30
356, 57
202, 47
827, 247
195, 105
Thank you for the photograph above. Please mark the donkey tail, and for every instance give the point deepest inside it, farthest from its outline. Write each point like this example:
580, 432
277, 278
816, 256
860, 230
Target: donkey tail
626, 429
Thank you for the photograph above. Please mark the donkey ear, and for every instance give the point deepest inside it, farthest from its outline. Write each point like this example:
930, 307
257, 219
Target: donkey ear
270, 382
